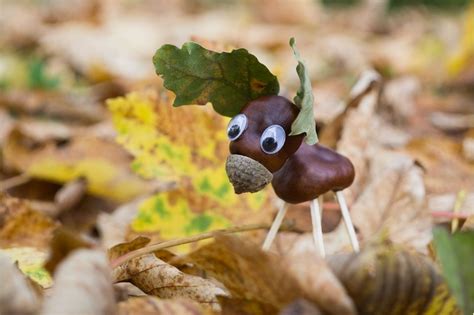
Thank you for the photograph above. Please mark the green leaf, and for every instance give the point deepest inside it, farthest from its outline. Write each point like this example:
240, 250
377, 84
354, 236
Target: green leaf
304, 122
456, 253
227, 80
38, 78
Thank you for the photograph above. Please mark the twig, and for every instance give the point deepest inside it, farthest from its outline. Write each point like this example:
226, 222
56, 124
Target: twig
186, 240
14, 181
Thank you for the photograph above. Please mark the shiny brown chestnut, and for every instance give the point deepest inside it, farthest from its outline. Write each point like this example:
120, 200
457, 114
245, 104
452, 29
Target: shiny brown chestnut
262, 151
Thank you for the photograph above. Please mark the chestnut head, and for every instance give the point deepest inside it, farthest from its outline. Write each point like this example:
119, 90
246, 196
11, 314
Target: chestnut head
260, 143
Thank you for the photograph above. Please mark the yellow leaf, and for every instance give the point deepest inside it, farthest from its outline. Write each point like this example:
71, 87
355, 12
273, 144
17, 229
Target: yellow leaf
187, 145
30, 261
465, 53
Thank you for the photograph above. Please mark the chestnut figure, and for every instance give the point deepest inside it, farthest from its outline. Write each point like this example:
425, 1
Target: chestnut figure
262, 151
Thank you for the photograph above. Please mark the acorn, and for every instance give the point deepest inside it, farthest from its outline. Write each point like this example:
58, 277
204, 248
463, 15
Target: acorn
246, 174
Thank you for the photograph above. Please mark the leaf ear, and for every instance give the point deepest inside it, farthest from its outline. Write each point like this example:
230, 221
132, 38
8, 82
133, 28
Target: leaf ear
304, 122
200, 76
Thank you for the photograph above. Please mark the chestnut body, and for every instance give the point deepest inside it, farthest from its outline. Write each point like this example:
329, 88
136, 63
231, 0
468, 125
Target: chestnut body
298, 172
310, 172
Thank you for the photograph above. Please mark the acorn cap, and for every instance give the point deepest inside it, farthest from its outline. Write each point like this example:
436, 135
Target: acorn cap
246, 174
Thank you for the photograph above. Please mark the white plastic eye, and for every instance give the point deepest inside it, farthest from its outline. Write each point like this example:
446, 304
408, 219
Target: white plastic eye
272, 139
236, 127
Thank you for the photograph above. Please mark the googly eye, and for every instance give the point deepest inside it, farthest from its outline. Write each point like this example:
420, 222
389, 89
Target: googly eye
273, 138
236, 127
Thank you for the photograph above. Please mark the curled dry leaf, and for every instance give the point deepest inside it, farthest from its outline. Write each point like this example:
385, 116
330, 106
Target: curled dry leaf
150, 305
394, 200
247, 272
16, 295
82, 286
154, 276
385, 279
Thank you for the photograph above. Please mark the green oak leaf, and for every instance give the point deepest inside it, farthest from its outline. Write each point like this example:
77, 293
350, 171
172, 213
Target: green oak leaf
456, 253
304, 122
227, 80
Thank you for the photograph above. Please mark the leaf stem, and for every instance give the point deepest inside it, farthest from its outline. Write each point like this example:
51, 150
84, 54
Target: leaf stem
186, 240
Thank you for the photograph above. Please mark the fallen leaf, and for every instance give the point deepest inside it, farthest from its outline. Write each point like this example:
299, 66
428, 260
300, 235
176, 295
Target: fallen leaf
246, 271
82, 286
301, 307
123, 248
387, 279
319, 283
468, 146
150, 305
16, 295
155, 277
114, 226
106, 170
445, 169
62, 244
203, 199
455, 252
357, 128
394, 200
21, 225
31, 262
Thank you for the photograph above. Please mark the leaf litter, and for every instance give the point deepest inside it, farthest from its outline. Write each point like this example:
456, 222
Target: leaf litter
141, 172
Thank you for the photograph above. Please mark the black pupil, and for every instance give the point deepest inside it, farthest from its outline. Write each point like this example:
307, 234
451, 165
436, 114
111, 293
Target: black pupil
269, 144
233, 131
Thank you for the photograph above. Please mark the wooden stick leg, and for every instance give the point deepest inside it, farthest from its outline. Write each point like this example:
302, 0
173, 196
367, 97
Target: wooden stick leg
347, 220
317, 227
275, 226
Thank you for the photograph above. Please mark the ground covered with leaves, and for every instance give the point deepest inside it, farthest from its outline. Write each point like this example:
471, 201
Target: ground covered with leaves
112, 201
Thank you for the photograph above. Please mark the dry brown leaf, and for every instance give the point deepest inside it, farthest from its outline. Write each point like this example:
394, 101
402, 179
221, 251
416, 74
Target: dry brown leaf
123, 248
468, 146
154, 276
394, 200
236, 306
82, 286
102, 162
53, 104
70, 195
468, 224
21, 225
62, 244
387, 279
247, 272
17, 297
114, 227
400, 95
446, 170
358, 128
301, 307
151, 305
319, 283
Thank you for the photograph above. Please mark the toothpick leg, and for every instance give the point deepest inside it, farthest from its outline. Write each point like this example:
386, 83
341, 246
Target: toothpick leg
275, 226
317, 227
347, 220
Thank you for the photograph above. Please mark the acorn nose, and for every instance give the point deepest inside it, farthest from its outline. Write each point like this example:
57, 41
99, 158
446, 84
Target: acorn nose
246, 174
